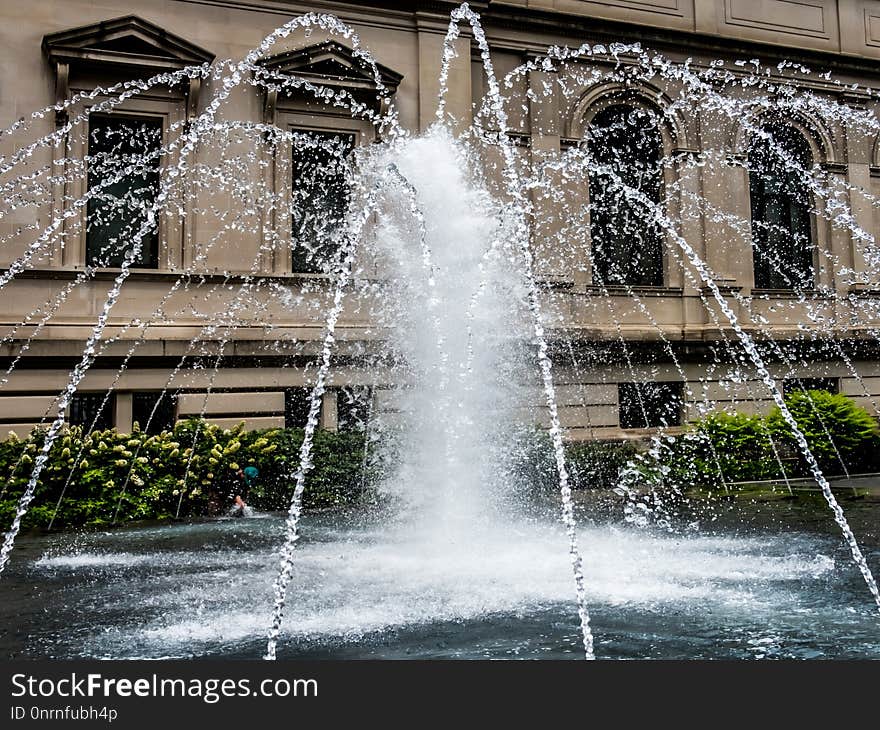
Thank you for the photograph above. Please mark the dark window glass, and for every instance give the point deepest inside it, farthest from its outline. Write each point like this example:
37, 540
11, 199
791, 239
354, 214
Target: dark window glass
650, 405
354, 407
781, 221
320, 199
164, 417
117, 213
86, 408
626, 243
798, 385
297, 402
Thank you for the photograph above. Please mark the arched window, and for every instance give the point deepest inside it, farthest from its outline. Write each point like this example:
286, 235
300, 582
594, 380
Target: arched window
626, 242
782, 236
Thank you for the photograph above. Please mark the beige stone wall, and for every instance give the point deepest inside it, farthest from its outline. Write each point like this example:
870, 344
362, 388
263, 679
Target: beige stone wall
837, 26
408, 38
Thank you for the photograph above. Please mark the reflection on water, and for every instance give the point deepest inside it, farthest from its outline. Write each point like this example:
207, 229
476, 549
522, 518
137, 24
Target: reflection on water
760, 580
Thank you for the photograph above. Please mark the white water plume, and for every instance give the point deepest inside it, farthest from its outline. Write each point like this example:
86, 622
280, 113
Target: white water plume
458, 398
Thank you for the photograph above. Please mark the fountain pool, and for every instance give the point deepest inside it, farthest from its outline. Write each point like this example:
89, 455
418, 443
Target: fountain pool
757, 580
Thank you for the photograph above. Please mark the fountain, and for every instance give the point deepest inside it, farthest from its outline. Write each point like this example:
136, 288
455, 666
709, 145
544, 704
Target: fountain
447, 247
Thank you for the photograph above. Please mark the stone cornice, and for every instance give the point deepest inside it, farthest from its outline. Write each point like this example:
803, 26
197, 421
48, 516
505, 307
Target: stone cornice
498, 17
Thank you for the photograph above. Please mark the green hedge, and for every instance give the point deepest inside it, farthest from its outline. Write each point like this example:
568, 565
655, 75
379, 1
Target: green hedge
154, 467
739, 447
590, 464
735, 447
854, 436
97, 466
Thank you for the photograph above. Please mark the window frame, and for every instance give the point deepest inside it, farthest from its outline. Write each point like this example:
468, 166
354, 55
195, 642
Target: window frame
353, 137
676, 385
153, 258
278, 224
757, 233
108, 412
662, 184
172, 232
674, 135
796, 384
167, 396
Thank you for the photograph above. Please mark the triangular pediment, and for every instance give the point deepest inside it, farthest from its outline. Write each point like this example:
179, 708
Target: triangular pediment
130, 41
332, 63
334, 67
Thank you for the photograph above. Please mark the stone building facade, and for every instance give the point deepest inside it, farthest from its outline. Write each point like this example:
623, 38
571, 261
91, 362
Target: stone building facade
55, 49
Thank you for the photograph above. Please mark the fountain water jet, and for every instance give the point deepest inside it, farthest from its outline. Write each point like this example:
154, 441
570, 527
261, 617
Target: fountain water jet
462, 288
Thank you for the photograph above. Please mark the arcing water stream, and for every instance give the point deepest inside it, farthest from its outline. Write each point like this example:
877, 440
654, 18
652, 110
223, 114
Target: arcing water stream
451, 222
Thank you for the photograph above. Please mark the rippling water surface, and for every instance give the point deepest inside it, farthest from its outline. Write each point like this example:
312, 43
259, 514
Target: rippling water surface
769, 580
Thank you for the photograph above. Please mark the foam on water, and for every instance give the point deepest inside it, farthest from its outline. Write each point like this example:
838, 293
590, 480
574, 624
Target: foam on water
375, 581
109, 561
